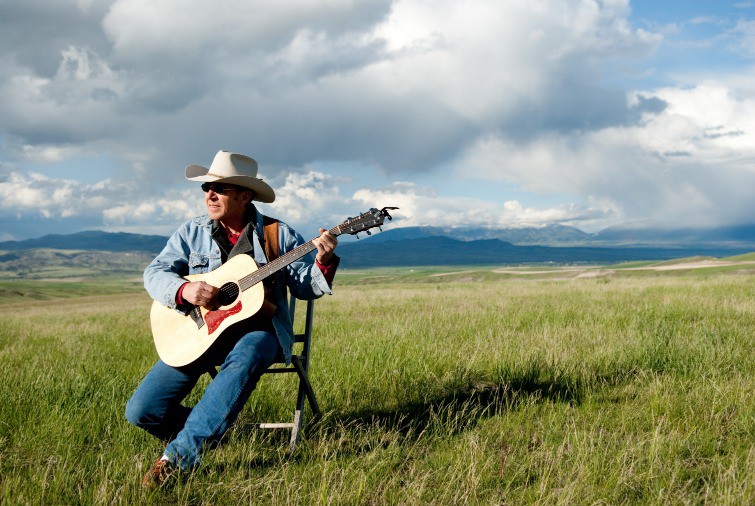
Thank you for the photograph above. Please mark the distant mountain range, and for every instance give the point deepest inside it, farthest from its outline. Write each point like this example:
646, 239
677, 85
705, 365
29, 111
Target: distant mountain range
733, 235
554, 243
455, 246
91, 241
561, 235
446, 251
548, 235
740, 236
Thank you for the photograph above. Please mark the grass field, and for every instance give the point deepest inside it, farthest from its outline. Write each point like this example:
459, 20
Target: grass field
437, 387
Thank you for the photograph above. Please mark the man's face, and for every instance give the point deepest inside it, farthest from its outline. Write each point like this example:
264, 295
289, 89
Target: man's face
225, 202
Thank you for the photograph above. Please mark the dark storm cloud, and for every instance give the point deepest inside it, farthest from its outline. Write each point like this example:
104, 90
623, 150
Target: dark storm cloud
295, 87
33, 32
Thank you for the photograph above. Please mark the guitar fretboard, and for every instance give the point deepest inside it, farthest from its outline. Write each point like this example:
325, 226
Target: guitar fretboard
279, 263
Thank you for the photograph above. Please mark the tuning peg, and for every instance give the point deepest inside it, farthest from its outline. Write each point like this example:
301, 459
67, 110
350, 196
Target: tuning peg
385, 212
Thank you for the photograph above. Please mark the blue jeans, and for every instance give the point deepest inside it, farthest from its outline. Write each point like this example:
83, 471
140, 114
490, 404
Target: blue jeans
156, 404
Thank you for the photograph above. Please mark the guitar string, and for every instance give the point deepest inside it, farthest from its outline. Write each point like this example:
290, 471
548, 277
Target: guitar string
255, 277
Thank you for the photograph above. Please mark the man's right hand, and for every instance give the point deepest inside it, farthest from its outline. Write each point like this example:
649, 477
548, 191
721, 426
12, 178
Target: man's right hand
200, 293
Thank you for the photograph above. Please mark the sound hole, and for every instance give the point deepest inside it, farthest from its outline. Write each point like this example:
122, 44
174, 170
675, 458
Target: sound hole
227, 293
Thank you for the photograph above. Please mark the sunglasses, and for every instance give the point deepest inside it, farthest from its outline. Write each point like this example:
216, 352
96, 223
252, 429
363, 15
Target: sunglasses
218, 188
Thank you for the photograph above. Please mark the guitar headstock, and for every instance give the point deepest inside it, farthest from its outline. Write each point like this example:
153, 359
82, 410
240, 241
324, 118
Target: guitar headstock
365, 221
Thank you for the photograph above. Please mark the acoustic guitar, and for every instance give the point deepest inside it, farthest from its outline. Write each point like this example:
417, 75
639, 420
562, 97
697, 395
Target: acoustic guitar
183, 337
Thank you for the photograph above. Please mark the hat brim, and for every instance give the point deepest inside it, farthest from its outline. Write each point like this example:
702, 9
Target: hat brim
262, 191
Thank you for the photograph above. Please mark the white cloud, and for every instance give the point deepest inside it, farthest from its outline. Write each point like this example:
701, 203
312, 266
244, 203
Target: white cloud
308, 200
35, 194
165, 212
745, 30
419, 207
117, 206
489, 60
680, 164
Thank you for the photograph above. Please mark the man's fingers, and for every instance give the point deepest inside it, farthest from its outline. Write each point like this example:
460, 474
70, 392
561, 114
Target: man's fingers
207, 294
326, 240
325, 244
209, 290
200, 293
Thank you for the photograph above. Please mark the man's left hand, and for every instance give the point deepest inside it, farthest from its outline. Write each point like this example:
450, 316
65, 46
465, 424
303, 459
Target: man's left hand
326, 244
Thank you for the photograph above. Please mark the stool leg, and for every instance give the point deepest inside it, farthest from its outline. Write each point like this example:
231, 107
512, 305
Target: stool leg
307, 387
296, 426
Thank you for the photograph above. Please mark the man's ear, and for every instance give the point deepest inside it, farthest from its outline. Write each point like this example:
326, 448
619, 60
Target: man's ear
247, 195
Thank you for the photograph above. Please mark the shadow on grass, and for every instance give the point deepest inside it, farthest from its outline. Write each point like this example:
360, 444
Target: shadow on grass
454, 412
460, 407
460, 410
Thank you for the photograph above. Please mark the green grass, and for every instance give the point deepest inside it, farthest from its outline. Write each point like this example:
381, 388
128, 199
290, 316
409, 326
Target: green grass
485, 389
31, 291
748, 257
45, 263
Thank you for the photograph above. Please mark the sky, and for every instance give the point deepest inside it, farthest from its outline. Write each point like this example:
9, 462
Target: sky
490, 113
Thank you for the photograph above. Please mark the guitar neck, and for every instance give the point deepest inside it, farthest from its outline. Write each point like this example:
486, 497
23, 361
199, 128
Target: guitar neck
281, 262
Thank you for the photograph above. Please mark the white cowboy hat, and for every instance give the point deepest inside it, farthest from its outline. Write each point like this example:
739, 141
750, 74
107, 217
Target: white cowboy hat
233, 168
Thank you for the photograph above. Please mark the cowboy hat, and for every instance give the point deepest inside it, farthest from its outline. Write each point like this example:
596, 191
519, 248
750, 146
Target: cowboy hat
233, 168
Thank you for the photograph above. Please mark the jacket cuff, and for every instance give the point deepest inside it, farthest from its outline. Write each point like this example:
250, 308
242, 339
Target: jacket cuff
329, 270
319, 282
169, 296
179, 295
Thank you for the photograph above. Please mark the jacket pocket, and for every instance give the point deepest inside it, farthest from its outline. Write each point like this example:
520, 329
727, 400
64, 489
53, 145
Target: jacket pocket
198, 263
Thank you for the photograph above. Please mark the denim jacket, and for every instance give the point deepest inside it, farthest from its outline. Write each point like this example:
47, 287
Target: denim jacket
192, 250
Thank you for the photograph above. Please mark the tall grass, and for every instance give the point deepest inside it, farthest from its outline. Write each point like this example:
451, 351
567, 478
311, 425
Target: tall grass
608, 391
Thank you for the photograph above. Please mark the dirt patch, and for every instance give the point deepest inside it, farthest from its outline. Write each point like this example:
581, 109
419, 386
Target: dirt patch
702, 264
441, 274
63, 280
551, 271
596, 274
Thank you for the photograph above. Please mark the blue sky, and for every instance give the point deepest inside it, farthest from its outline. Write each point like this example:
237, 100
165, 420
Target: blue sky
475, 112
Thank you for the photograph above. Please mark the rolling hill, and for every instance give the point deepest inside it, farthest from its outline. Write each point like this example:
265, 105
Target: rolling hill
104, 252
446, 251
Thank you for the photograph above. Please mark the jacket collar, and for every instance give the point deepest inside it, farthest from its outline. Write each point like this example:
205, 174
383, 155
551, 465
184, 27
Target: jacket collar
249, 242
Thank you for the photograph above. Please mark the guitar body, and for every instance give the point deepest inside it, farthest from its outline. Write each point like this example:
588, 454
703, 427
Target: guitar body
181, 339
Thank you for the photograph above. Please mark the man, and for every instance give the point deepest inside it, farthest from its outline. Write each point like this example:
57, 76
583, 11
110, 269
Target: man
232, 226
